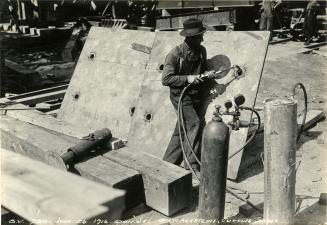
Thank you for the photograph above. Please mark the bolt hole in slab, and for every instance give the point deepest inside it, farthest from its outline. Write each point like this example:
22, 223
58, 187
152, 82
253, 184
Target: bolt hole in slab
76, 96
147, 117
160, 67
92, 55
132, 110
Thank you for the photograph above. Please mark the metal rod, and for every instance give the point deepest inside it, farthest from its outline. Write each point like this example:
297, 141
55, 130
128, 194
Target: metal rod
280, 161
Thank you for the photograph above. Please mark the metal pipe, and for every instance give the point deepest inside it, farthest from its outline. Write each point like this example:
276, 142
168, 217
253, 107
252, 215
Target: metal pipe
280, 161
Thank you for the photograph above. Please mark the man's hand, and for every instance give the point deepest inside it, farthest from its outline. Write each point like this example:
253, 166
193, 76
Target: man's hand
218, 90
209, 74
195, 79
221, 88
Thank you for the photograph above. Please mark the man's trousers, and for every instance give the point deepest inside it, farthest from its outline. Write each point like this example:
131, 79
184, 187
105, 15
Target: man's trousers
194, 123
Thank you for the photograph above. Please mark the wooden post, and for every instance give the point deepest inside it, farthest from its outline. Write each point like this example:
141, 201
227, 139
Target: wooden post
280, 161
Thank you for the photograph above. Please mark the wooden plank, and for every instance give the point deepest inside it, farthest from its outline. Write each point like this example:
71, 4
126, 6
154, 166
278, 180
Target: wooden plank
39, 92
35, 142
45, 107
42, 97
19, 68
316, 45
36, 192
210, 19
42, 106
167, 187
46, 121
167, 4
53, 112
45, 32
141, 48
30, 140
313, 117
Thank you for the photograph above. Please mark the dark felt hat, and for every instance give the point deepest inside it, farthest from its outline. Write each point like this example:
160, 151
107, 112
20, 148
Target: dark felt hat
192, 27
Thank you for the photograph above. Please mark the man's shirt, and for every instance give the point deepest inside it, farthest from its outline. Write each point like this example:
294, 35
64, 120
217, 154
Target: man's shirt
182, 61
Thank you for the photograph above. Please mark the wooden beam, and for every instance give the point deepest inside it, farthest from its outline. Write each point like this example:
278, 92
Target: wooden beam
313, 117
212, 18
37, 192
35, 142
174, 184
32, 141
141, 48
19, 68
46, 107
46, 121
41, 98
167, 187
39, 92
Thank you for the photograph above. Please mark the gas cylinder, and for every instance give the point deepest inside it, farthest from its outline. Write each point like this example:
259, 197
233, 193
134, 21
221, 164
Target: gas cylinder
214, 159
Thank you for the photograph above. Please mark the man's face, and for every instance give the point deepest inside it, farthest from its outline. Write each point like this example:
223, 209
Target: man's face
196, 40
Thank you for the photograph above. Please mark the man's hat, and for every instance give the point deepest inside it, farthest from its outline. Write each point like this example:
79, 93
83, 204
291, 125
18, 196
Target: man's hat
192, 27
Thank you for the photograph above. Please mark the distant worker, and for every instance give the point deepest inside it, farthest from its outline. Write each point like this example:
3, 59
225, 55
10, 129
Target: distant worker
310, 28
13, 8
183, 65
267, 14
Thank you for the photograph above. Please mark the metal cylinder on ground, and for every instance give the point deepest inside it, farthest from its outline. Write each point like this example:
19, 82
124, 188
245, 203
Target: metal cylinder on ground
214, 158
94, 142
280, 160
98, 139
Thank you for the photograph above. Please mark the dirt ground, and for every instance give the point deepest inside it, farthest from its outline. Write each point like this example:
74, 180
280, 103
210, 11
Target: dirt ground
284, 67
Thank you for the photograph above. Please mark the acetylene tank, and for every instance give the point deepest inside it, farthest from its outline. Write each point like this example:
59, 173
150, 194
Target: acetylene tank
214, 158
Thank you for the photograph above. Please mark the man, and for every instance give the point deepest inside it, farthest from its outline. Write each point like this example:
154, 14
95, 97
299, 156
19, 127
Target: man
183, 66
310, 21
267, 14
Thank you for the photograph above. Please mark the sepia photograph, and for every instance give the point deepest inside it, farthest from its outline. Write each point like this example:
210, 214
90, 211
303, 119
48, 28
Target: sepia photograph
163, 112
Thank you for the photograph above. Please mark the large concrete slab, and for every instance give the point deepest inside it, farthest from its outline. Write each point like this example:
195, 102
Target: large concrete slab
151, 134
120, 88
107, 80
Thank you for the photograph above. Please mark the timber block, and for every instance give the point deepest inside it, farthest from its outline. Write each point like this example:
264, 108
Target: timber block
32, 141
167, 187
36, 191
35, 141
107, 172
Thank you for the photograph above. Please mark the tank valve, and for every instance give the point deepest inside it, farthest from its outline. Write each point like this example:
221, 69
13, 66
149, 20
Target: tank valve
236, 123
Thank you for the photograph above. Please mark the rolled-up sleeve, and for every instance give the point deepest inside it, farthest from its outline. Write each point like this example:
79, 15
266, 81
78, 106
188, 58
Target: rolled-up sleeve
169, 74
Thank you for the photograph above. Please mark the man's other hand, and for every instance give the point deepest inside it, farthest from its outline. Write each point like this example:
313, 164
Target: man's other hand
221, 88
195, 79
